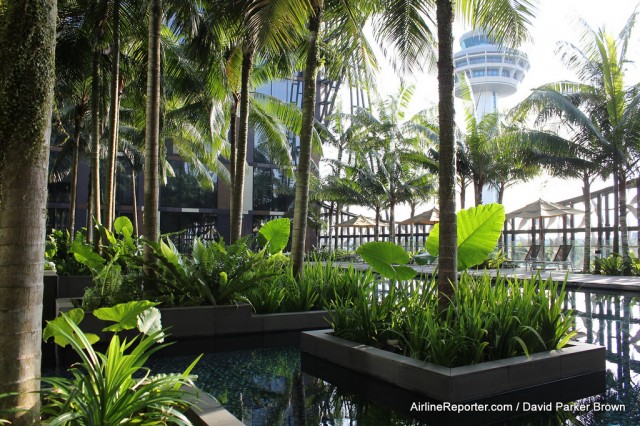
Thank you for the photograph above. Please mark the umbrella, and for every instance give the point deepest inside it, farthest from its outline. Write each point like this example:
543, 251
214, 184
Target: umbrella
360, 222
429, 217
541, 209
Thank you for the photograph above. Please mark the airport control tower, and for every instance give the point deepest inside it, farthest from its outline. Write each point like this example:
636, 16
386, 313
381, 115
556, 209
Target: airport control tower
493, 71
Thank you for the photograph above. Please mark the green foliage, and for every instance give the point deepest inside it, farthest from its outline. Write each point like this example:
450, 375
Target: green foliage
495, 260
612, 265
478, 231
274, 235
214, 274
387, 259
114, 387
483, 322
58, 251
319, 285
124, 315
116, 275
59, 328
328, 254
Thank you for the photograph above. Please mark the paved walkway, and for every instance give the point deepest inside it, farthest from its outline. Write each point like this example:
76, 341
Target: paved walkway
574, 280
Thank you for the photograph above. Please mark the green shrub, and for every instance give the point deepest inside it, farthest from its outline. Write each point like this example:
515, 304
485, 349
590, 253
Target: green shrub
214, 274
611, 265
483, 322
58, 251
319, 285
115, 387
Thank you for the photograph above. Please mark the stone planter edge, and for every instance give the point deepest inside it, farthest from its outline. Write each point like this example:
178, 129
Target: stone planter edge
460, 384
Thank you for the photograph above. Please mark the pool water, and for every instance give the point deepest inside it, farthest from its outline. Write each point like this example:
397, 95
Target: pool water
267, 386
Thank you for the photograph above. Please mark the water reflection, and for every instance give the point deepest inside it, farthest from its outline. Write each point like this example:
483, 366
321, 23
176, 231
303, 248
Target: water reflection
267, 387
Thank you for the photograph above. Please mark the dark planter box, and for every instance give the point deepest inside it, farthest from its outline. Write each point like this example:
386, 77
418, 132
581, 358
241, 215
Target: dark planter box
201, 329
467, 383
212, 321
73, 285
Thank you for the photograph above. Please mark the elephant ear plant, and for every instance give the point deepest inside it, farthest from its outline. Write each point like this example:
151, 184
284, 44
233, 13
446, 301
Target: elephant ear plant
478, 231
115, 387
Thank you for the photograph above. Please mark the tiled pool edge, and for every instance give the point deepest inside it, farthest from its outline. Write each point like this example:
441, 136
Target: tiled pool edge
459, 384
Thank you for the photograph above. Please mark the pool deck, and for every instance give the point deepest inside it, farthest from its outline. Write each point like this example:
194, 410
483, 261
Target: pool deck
600, 283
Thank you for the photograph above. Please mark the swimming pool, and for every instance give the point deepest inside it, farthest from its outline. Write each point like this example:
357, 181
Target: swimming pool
268, 386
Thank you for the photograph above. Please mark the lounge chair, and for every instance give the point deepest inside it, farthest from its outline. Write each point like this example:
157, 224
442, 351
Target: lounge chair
529, 258
560, 259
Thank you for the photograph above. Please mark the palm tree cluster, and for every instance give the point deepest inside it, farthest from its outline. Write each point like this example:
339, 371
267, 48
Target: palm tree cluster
133, 78
590, 128
387, 162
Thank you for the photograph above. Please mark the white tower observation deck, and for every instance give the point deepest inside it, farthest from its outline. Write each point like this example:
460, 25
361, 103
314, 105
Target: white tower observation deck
493, 71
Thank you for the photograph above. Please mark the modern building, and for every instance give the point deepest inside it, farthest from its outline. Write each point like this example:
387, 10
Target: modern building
493, 71
183, 203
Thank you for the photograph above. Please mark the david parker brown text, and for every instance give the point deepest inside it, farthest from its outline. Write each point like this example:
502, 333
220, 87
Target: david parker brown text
519, 406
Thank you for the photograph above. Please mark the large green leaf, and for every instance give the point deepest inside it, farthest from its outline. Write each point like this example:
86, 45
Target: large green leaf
122, 225
59, 328
125, 315
275, 233
478, 231
85, 255
387, 259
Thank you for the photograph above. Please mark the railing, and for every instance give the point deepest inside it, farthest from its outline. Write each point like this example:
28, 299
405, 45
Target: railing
518, 234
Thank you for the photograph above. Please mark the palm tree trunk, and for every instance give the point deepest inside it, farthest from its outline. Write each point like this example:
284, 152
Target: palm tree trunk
27, 49
477, 190
151, 220
79, 116
134, 202
94, 215
622, 214
301, 209
447, 258
330, 220
392, 220
586, 197
412, 228
616, 212
110, 191
376, 231
501, 189
241, 151
463, 192
233, 137
338, 221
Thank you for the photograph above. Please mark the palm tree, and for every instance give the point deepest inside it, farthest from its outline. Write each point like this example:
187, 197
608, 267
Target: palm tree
151, 222
337, 24
612, 106
27, 51
114, 110
259, 36
583, 154
506, 23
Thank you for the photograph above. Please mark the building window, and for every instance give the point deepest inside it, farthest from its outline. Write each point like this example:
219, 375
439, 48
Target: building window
272, 191
474, 41
185, 189
476, 60
461, 63
478, 73
494, 59
505, 73
509, 59
493, 71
